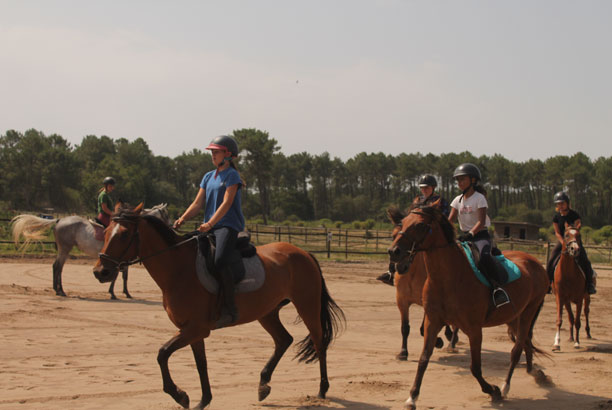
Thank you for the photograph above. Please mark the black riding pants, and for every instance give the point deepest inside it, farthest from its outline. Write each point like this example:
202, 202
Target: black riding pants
582, 260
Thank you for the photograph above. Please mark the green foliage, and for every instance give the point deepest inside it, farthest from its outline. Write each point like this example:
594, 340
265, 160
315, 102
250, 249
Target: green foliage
357, 225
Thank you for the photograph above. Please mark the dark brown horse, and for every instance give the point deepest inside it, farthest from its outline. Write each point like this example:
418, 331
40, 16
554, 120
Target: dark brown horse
291, 274
570, 287
452, 294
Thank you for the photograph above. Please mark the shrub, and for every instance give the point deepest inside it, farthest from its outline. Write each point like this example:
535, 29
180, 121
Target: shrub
356, 225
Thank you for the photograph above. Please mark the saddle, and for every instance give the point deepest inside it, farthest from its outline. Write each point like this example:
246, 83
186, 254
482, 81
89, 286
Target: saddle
509, 273
98, 229
246, 268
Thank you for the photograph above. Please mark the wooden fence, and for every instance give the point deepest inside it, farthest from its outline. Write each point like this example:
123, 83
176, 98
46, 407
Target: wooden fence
337, 242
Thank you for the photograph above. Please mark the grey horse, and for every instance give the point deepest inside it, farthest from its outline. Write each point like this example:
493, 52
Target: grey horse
69, 232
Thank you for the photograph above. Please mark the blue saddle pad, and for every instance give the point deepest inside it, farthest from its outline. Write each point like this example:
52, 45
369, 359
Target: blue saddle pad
513, 271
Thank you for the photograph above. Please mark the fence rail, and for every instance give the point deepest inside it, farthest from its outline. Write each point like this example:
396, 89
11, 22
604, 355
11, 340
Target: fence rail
339, 242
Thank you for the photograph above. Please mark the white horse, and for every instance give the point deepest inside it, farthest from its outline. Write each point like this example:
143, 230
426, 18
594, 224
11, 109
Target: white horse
69, 232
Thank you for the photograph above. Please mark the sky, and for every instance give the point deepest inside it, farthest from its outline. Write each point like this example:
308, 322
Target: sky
524, 79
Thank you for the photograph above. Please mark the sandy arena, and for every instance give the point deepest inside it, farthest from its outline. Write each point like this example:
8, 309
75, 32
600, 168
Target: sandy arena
88, 352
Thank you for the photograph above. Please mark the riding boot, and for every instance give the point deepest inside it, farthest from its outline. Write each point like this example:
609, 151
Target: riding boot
499, 295
229, 312
590, 284
388, 276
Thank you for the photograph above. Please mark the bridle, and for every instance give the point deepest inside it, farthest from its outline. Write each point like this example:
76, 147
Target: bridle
119, 264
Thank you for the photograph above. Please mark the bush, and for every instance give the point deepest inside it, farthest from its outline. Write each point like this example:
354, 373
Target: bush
325, 223
356, 225
338, 224
368, 224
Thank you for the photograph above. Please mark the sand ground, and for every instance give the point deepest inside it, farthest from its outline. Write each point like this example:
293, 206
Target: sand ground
88, 352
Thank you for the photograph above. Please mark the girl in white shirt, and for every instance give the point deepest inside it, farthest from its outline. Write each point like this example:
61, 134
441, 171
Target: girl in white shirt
471, 209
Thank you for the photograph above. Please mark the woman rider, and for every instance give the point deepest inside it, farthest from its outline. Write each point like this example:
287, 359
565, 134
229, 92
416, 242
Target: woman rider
427, 185
567, 215
471, 209
220, 195
105, 202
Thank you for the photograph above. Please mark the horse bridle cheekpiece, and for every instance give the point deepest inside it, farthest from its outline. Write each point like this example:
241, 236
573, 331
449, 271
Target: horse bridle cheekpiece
119, 264
398, 252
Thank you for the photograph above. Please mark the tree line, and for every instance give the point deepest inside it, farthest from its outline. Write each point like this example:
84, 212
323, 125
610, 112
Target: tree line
40, 171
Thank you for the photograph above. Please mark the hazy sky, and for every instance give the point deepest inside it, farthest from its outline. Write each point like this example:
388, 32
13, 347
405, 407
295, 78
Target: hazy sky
526, 79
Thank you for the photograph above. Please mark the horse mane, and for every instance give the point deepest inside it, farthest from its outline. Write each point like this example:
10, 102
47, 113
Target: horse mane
167, 234
436, 213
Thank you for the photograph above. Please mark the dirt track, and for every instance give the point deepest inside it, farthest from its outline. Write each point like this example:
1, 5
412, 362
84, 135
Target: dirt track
88, 352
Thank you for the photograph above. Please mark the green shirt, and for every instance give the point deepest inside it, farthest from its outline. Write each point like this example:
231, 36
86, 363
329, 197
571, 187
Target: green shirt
104, 198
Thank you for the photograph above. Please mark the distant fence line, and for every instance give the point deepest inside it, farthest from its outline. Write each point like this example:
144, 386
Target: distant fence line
341, 241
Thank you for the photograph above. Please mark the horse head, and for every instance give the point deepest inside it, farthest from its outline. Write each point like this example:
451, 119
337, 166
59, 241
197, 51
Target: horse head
572, 240
413, 231
120, 244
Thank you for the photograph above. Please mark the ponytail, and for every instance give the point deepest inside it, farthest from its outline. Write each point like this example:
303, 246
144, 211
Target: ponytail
479, 188
234, 166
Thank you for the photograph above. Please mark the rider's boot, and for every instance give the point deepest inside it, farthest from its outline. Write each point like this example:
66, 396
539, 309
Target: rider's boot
499, 295
229, 312
591, 287
388, 276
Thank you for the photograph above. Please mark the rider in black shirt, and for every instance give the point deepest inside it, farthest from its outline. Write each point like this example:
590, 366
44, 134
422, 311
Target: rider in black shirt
567, 215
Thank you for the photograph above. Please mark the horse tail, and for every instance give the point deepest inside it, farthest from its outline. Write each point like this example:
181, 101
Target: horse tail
332, 322
536, 351
31, 227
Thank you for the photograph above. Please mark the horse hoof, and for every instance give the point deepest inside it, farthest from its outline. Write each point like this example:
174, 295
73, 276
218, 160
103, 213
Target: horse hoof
182, 398
113, 297
556, 348
576, 345
451, 349
505, 389
410, 404
496, 394
403, 356
439, 343
60, 293
264, 391
203, 403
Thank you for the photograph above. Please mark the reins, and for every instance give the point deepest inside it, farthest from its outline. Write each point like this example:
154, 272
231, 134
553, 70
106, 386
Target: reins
136, 236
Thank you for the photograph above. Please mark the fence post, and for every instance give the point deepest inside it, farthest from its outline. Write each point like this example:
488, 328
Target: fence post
289, 233
346, 244
279, 232
305, 235
547, 251
257, 233
328, 239
377, 240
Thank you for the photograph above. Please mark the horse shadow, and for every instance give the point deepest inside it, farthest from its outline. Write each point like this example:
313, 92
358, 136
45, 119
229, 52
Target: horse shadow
346, 404
124, 301
555, 398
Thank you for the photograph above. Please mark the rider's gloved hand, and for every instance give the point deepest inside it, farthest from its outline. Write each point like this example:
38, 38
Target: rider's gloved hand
465, 237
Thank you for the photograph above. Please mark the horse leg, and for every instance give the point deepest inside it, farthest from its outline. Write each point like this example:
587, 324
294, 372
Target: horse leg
475, 337
405, 314
432, 327
439, 341
557, 345
282, 340
125, 280
199, 354
172, 345
587, 310
111, 289
577, 323
58, 266
570, 318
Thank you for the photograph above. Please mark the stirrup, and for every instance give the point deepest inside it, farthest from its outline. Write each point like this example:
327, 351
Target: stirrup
500, 297
226, 319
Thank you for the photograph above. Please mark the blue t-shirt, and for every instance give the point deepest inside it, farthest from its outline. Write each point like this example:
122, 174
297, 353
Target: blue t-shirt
215, 191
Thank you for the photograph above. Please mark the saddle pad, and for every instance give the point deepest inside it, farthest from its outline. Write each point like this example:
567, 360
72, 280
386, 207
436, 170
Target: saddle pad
254, 275
513, 271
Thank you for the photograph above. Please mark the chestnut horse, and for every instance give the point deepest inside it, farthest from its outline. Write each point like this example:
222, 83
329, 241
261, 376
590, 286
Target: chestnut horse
408, 291
291, 273
452, 294
570, 287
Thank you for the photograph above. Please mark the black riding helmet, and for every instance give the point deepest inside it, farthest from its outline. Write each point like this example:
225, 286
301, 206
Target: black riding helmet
468, 169
428, 180
224, 142
109, 181
561, 197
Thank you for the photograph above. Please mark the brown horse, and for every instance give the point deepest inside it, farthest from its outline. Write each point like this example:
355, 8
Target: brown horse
291, 274
409, 291
570, 287
452, 294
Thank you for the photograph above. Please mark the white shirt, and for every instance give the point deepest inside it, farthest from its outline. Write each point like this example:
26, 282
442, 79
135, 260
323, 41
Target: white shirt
467, 210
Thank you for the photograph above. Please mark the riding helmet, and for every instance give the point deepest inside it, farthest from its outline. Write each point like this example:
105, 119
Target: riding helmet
109, 181
468, 169
561, 197
224, 142
428, 180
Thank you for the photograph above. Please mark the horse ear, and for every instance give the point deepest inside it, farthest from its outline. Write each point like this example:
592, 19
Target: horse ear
139, 208
437, 203
395, 215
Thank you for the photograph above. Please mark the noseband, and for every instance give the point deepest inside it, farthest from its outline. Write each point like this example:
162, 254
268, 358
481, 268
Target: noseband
411, 253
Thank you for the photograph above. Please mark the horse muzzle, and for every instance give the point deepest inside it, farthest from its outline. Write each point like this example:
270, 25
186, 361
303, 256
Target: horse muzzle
105, 275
